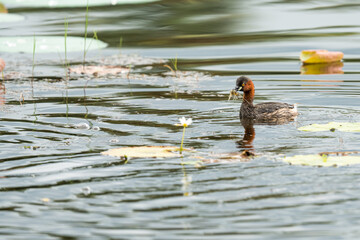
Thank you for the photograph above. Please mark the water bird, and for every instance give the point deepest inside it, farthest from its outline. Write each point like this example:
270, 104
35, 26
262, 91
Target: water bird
263, 112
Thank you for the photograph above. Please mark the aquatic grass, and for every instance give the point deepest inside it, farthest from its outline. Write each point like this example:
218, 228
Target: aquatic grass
33, 59
120, 45
66, 66
185, 123
174, 67
94, 36
128, 78
85, 52
128, 73
174, 62
85, 34
32, 79
66, 63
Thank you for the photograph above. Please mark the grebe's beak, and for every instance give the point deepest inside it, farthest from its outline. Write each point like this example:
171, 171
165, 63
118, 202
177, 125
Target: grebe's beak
237, 88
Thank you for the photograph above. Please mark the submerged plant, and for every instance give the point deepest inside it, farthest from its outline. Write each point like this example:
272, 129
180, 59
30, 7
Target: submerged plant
185, 123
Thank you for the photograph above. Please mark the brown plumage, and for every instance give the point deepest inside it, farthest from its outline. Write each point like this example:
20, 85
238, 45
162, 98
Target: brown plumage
267, 112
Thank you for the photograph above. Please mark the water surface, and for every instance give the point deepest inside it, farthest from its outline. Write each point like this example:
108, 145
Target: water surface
51, 141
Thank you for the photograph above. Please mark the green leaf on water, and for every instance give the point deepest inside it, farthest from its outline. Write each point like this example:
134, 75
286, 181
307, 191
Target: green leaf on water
9, 17
332, 126
322, 160
47, 44
69, 3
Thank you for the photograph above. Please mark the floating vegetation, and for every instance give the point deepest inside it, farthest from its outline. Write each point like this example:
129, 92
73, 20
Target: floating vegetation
325, 159
320, 56
332, 126
233, 95
126, 153
143, 152
224, 158
99, 70
129, 59
47, 44
188, 78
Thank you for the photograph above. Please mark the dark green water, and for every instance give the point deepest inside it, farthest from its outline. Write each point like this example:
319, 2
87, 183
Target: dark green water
46, 152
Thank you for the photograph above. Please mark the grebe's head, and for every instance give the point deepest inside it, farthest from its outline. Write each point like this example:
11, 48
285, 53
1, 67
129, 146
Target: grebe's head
244, 84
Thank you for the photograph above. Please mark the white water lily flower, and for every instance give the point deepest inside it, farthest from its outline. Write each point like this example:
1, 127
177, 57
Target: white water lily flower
185, 122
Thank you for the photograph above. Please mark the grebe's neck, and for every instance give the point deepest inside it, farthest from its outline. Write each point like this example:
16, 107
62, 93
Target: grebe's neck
248, 96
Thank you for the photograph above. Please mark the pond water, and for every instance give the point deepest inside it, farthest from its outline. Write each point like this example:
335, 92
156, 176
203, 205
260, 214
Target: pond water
55, 184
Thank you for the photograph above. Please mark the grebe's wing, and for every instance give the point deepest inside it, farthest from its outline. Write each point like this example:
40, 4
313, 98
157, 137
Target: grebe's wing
270, 107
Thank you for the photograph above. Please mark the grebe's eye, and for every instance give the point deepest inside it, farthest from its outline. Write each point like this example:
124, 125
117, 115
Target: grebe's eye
243, 84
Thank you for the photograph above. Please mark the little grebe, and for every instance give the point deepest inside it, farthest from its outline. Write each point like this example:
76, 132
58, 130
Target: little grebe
269, 111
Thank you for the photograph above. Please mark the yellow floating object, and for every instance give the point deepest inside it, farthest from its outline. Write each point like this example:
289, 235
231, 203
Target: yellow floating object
320, 56
3, 8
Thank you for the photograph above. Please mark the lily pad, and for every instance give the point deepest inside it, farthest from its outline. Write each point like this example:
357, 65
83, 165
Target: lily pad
9, 17
47, 44
322, 160
69, 3
143, 152
320, 56
3, 8
332, 126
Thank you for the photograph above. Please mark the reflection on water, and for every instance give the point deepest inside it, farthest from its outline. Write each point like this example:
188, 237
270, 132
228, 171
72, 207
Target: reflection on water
323, 68
249, 131
2, 94
57, 157
249, 135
